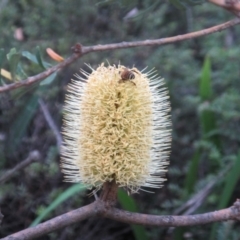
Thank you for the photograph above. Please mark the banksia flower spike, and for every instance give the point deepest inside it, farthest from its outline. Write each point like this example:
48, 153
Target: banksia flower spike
116, 127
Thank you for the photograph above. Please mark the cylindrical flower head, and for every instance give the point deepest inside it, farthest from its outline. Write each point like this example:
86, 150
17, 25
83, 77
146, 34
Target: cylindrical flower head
116, 127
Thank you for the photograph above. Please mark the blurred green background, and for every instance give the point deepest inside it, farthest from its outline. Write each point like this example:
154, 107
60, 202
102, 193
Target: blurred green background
202, 76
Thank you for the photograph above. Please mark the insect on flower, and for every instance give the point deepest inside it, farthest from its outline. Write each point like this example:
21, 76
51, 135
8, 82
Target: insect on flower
127, 75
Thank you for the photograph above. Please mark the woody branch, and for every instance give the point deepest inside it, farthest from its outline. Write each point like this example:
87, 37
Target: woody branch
102, 208
82, 50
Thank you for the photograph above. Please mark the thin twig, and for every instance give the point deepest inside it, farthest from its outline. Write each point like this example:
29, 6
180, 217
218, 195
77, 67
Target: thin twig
196, 201
50, 122
32, 157
162, 41
114, 46
103, 209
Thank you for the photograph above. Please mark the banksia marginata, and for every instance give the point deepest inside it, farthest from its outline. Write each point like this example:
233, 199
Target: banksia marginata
116, 127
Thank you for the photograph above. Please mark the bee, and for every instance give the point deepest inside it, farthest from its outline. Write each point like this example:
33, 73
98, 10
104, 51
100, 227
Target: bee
127, 75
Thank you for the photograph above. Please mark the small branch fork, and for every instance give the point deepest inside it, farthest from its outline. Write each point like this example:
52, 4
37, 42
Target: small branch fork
33, 156
79, 50
104, 207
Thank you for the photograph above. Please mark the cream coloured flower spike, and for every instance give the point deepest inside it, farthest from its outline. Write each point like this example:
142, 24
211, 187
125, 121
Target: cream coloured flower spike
116, 127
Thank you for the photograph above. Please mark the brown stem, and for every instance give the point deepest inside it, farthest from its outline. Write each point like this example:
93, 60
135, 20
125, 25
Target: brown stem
162, 41
109, 193
55, 223
85, 50
174, 221
32, 157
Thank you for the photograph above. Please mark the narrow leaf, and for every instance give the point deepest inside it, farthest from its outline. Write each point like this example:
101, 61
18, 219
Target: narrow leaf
2, 58
30, 56
194, 2
207, 117
178, 4
230, 183
128, 203
73, 190
205, 89
49, 79
13, 57
191, 177
6, 74
19, 126
21, 73
39, 58
34, 59
229, 186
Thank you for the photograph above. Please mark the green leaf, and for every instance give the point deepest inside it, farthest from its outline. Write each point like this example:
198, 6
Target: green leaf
191, 177
177, 4
184, 4
208, 122
194, 2
19, 126
207, 117
21, 73
35, 59
120, 3
30, 56
13, 57
39, 58
205, 88
128, 203
2, 58
73, 190
230, 183
49, 79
